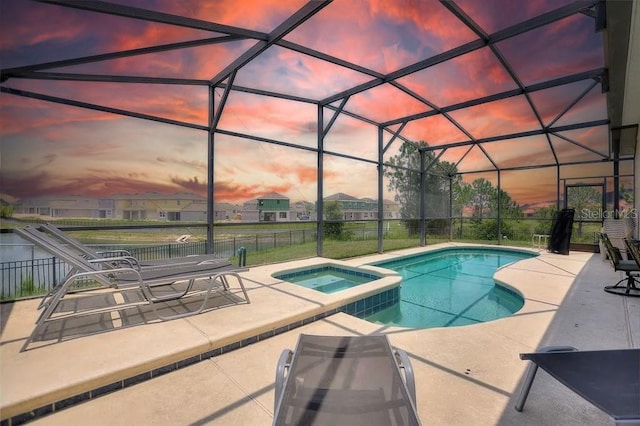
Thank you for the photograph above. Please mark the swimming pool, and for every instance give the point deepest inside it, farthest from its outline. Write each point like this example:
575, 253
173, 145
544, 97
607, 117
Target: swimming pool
327, 278
451, 287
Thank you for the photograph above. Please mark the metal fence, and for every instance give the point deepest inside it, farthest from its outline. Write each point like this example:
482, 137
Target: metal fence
26, 278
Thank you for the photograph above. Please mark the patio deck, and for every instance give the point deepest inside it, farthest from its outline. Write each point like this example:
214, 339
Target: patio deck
149, 374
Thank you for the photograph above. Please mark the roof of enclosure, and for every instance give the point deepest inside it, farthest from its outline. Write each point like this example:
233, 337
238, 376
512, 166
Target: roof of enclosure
488, 85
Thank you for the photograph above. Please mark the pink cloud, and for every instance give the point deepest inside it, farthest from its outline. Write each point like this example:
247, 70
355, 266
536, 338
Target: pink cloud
187, 104
434, 130
502, 117
466, 77
366, 32
24, 185
385, 102
51, 24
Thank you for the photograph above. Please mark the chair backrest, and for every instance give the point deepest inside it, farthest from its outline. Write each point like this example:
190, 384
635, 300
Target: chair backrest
619, 229
345, 380
633, 250
613, 252
67, 239
44, 242
77, 263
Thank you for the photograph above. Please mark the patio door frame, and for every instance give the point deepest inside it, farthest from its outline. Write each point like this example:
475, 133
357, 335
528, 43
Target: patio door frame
603, 202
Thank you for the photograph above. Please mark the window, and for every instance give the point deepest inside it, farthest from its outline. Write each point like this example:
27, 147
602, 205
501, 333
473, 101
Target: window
282, 215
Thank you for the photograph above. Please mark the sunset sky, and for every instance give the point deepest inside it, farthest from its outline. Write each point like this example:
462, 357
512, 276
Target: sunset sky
53, 149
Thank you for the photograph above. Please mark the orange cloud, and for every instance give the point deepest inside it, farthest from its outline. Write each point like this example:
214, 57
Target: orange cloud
232, 192
187, 104
43, 183
466, 77
367, 32
271, 118
434, 130
501, 117
298, 75
384, 103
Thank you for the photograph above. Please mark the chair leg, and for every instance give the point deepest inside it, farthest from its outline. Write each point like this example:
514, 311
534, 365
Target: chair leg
629, 289
532, 369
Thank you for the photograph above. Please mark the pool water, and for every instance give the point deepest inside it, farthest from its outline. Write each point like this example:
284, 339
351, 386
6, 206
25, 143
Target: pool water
327, 279
451, 287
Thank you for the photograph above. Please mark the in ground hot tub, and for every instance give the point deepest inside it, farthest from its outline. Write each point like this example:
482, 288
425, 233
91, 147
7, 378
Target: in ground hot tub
328, 278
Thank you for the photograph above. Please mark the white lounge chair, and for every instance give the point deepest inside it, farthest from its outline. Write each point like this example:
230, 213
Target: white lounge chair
149, 286
617, 230
90, 253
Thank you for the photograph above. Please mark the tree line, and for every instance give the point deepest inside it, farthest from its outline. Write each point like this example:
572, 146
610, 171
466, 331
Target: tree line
447, 195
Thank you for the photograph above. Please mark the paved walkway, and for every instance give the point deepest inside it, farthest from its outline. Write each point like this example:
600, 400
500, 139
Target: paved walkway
465, 375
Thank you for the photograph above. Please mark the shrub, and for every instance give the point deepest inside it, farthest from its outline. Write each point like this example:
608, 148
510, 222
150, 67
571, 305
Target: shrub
6, 211
488, 230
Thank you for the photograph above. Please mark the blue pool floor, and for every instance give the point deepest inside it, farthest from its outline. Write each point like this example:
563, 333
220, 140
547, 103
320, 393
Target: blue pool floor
448, 289
329, 281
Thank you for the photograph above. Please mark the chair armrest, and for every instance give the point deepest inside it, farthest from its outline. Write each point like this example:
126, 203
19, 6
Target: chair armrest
405, 364
282, 369
119, 252
130, 261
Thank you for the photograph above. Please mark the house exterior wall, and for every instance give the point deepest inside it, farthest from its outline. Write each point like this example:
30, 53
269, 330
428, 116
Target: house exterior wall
273, 205
268, 209
65, 207
250, 215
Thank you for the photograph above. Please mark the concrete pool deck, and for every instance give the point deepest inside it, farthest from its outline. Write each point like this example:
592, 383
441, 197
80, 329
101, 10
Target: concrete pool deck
147, 373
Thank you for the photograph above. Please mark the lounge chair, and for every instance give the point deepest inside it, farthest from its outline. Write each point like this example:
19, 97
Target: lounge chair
344, 380
149, 286
630, 267
634, 253
609, 379
80, 262
90, 253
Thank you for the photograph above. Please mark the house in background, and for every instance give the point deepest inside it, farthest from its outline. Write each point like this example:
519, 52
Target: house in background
304, 210
184, 207
158, 206
66, 207
390, 209
226, 211
272, 207
364, 208
355, 208
187, 207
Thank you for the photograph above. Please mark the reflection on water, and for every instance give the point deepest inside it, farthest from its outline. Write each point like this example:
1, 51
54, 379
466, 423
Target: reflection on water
13, 249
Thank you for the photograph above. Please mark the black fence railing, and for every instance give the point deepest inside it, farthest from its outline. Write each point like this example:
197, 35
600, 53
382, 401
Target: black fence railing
162, 251
26, 278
